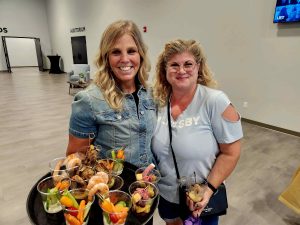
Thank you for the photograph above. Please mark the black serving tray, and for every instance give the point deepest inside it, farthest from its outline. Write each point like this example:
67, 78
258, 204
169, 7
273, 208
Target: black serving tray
39, 216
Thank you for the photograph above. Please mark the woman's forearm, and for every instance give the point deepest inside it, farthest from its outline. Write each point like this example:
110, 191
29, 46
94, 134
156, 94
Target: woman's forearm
75, 144
225, 163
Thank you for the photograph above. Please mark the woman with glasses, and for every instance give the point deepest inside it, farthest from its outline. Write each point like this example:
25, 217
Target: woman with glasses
205, 126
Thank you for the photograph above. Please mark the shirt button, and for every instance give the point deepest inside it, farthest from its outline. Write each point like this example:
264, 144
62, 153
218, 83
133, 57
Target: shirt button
142, 112
119, 117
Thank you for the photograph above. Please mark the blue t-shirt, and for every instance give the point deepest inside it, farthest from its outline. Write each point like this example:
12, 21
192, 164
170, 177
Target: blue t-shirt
196, 134
92, 117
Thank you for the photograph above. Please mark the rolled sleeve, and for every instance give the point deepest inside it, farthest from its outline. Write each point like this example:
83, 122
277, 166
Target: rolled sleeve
82, 121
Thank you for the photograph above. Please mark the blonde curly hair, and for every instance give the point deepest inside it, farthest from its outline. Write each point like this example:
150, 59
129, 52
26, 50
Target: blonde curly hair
104, 77
161, 87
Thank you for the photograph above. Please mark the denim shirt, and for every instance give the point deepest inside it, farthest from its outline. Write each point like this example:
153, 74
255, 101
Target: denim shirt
92, 117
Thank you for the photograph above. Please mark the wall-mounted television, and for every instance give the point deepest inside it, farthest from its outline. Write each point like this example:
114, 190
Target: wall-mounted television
287, 11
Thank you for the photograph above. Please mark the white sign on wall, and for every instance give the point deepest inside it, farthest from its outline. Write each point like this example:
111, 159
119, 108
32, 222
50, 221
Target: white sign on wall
77, 29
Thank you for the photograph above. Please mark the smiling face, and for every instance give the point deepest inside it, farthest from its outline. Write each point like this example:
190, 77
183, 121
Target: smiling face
182, 72
124, 60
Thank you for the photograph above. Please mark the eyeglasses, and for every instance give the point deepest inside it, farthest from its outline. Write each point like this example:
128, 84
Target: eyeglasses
188, 66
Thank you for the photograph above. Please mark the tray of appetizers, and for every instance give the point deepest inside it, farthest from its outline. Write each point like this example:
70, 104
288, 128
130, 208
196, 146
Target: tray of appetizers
38, 215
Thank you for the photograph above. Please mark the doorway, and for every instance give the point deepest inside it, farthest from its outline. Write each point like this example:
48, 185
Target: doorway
79, 50
37, 46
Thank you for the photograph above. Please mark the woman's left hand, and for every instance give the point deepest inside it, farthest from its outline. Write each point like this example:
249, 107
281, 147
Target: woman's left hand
197, 207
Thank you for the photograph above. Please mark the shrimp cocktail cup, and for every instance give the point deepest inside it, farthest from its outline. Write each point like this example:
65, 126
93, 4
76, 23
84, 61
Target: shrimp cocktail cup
50, 190
64, 166
143, 194
76, 206
115, 208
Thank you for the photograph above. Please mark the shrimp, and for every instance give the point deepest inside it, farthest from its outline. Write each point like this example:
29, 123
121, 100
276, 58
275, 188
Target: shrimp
57, 171
100, 177
103, 176
101, 187
73, 162
57, 167
75, 155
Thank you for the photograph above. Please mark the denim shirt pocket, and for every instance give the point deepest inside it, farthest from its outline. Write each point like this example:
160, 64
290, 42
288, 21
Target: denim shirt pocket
114, 128
113, 116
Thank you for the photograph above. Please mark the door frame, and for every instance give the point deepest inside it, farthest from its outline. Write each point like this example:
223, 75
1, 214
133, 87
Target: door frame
73, 40
38, 49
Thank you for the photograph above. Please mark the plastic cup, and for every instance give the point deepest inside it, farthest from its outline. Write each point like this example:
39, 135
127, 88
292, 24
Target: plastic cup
109, 166
82, 178
143, 194
75, 215
115, 182
196, 192
115, 210
195, 187
57, 167
116, 154
153, 176
50, 190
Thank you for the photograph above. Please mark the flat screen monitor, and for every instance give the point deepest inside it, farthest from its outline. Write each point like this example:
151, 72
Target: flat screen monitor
287, 11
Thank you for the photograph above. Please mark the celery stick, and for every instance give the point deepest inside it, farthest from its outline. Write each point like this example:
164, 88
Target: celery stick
113, 154
69, 195
87, 209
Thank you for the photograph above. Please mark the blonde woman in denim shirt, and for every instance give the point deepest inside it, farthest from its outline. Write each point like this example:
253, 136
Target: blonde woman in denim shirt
117, 109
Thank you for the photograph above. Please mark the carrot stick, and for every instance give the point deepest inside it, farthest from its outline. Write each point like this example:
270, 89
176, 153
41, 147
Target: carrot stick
81, 211
64, 185
58, 185
120, 154
72, 219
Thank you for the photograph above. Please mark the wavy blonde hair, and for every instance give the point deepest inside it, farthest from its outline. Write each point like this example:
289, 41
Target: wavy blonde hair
104, 77
162, 88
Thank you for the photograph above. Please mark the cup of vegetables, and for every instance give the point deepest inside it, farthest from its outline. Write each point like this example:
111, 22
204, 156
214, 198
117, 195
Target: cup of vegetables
118, 155
115, 207
109, 166
51, 189
76, 206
